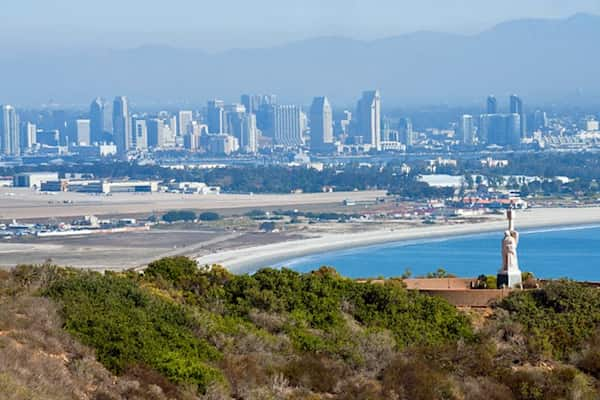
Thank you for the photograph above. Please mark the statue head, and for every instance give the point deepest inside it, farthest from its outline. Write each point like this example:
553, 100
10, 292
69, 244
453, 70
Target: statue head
507, 233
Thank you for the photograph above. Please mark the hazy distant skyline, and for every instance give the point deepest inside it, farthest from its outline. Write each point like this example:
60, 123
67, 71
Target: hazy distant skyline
238, 24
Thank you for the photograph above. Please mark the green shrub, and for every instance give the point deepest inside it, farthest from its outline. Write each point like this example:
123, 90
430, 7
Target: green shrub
128, 326
558, 318
179, 215
209, 216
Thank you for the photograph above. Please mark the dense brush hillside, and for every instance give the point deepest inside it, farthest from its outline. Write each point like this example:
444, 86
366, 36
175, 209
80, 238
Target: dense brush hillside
182, 332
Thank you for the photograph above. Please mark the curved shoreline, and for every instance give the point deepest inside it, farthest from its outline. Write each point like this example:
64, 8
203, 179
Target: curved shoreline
248, 259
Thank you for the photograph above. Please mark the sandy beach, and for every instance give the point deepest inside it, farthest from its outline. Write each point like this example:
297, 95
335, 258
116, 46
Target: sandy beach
249, 259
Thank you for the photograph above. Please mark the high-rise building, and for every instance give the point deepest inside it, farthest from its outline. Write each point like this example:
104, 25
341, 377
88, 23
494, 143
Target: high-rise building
467, 130
215, 116
264, 113
191, 141
516, 107
222, 144
342, 125
122, 124
9, 131
232, 119
252, 102
155, 130
540, 120
28, 135
249, 134
60, 123
321, 124
140, 134
368, 117
287, 125
184, 123
501, 129
82, 132
492, 105
98, 129
405, 132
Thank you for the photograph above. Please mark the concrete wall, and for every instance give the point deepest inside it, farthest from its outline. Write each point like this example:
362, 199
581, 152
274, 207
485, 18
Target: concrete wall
469, 298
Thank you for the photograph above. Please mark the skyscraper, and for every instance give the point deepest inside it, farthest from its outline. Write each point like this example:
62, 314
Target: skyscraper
516, 107
540, 120
9, 131
155, 130
405, 132
287, 128
28, 135
467, 130
321, 124
82, 132
140, 134
122, 124
232, 119
249, 134
368, 116
501, 129
184, 123
97, 128
492, 105
252, 102
215, 116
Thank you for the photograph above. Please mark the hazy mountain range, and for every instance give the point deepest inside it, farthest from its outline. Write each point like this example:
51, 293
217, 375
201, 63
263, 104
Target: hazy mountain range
543, 60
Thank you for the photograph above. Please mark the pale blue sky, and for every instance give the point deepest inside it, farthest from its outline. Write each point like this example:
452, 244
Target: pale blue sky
220, 24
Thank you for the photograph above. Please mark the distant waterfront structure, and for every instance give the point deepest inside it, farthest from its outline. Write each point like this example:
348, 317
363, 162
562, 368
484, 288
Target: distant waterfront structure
405, 132
184, 123
97, 121
467, 130
122, 124
368, 118
215, 116
321, 124
287, 129
492, 105
9, 131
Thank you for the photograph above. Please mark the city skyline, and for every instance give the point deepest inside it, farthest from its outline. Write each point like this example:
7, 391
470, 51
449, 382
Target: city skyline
262, 122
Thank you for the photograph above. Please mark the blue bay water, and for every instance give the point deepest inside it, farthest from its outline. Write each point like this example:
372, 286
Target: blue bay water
572, 252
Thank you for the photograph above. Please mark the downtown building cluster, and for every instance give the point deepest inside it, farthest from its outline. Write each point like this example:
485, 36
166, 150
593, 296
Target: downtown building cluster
259, 123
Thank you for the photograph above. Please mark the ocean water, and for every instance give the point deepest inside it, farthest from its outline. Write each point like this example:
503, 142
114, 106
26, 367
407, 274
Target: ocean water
570, 252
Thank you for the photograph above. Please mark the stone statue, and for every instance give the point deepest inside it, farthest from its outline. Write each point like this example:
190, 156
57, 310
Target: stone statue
510, 274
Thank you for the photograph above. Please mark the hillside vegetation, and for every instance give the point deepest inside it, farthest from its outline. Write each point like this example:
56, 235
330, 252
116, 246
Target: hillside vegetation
177, 331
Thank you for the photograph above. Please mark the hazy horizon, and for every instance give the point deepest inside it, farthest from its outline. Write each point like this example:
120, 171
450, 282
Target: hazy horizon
186, 52
262, 23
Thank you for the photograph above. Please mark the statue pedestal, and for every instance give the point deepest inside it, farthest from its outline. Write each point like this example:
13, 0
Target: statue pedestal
510, 279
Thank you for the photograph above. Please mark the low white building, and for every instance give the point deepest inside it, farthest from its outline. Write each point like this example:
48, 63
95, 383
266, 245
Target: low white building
33, 179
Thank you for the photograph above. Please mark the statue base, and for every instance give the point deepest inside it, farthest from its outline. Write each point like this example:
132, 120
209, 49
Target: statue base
511, 280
